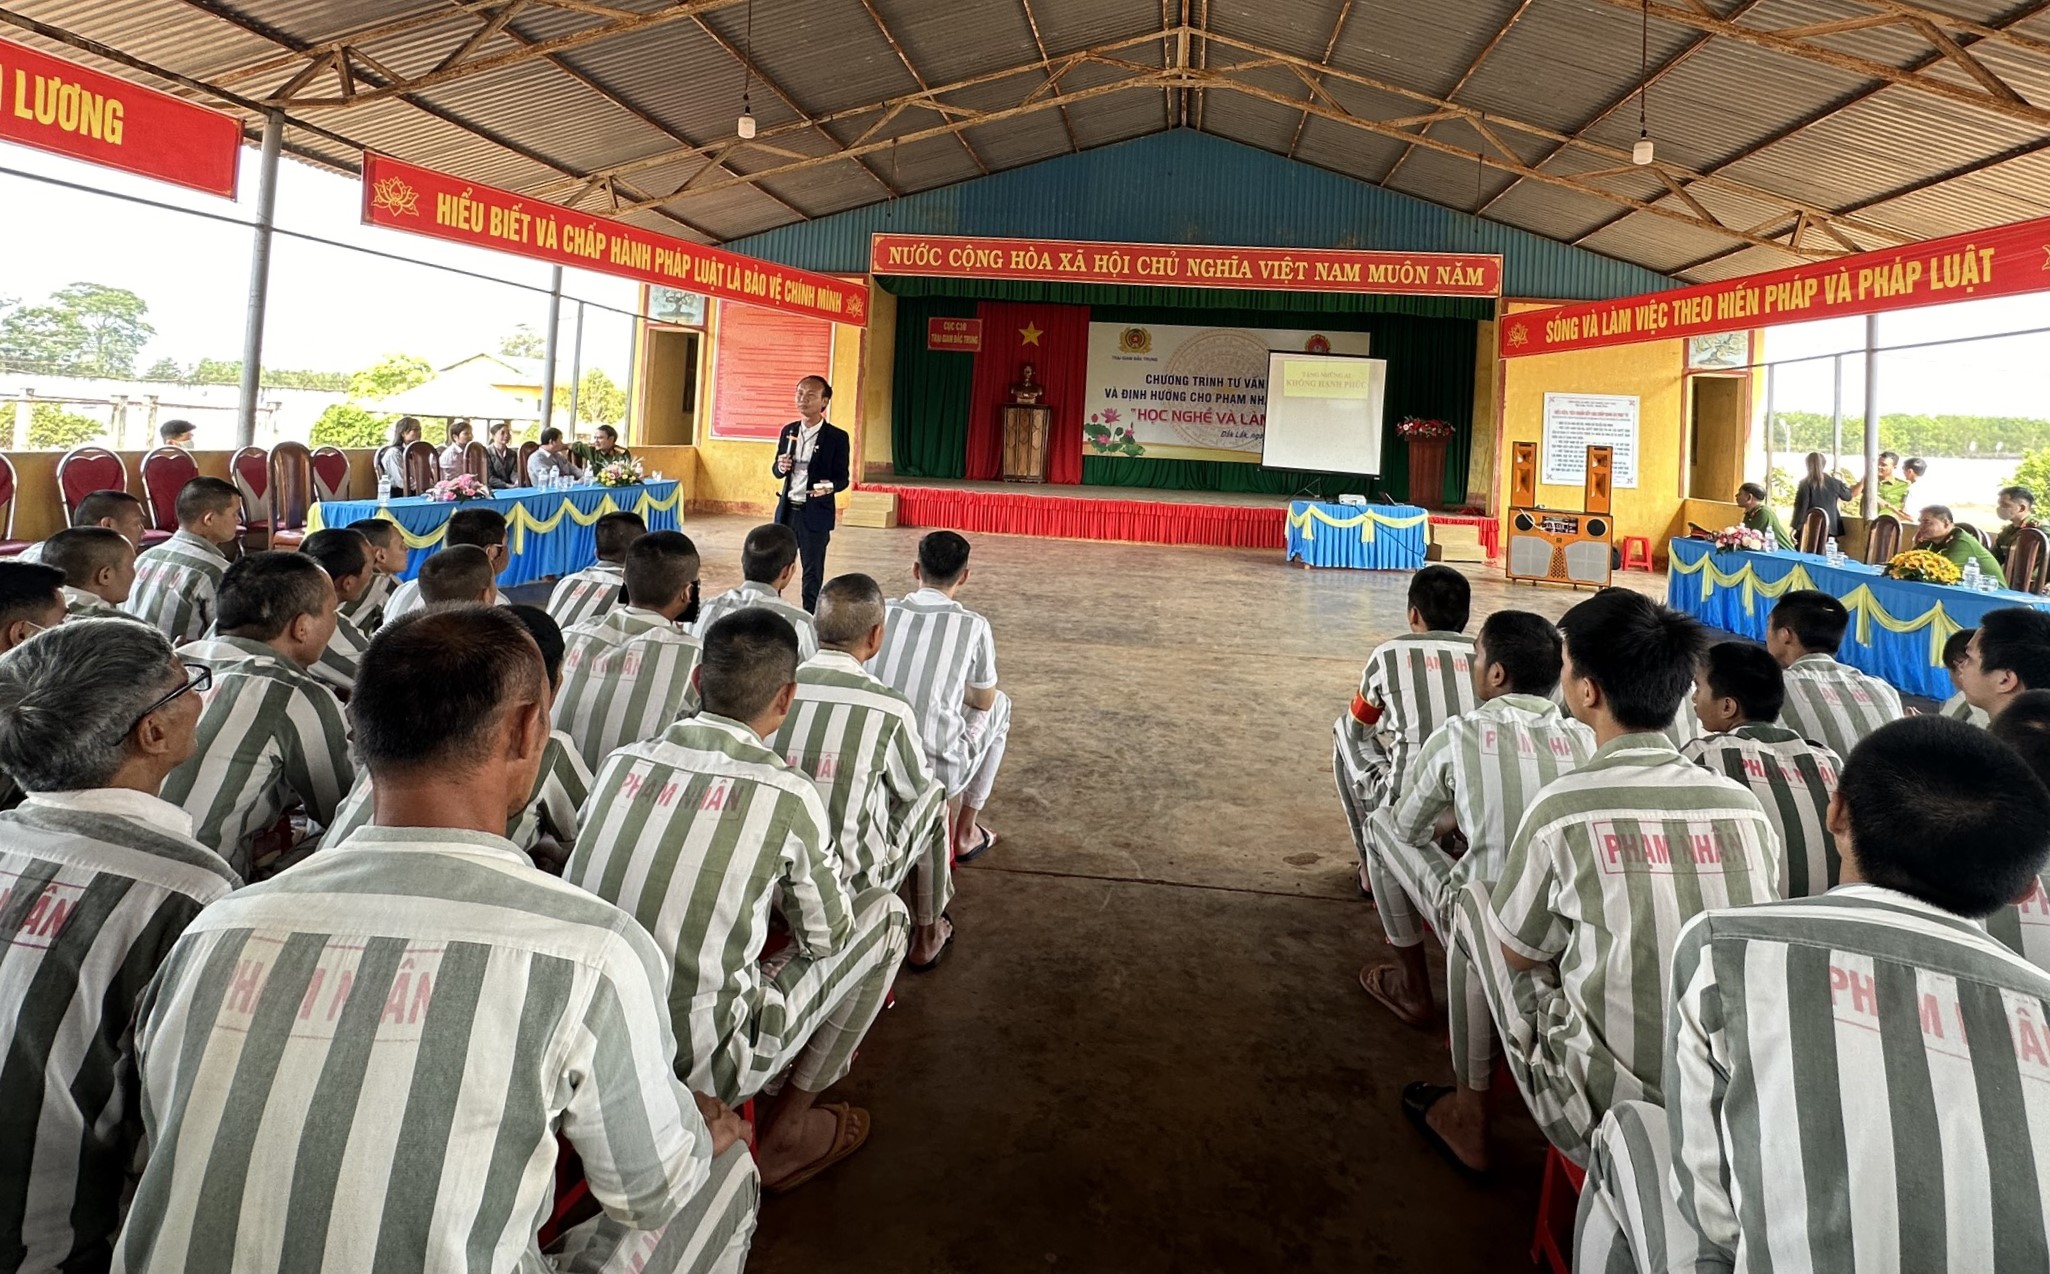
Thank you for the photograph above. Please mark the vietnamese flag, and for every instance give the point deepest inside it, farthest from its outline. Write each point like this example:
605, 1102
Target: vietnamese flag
1055, 340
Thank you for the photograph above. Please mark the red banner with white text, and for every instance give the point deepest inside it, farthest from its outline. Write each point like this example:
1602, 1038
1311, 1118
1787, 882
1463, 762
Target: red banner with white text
405, 196
1188, 266
2003, 261
64, 108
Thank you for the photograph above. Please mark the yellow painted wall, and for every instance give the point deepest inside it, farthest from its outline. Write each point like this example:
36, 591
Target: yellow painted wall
878, 383
1654, 371
1480, 465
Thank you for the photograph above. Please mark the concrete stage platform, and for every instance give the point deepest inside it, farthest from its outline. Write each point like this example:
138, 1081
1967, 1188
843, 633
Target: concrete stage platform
1133, 515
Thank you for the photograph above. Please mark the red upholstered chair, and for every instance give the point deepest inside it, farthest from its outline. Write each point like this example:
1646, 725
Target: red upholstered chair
290, 493
1558, 1201
9, 546
476, 463
330, 473
84, 470
251, 470
423, 467
165, 472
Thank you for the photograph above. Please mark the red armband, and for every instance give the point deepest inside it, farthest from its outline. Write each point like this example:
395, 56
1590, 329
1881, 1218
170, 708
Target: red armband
1363, 712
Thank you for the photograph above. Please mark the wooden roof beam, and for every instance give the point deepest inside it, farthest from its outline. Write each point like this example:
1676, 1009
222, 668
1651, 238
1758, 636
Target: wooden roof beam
905, 58
1039, 42
1337, 28
1501, 34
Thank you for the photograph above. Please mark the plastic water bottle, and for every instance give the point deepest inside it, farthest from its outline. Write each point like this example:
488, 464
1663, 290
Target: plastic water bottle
1972, 579
1829, 551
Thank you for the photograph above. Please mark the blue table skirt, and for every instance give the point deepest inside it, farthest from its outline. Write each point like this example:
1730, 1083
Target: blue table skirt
547, 532
1374, 537
1897, 627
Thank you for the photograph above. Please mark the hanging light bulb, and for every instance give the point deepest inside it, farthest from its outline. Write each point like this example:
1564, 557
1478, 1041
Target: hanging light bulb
1642, 153
745, 126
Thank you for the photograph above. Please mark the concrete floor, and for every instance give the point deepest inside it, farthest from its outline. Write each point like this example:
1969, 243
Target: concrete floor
1147, 1050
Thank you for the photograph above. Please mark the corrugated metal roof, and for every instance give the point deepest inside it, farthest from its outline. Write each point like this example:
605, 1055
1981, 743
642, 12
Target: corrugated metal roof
1757, 134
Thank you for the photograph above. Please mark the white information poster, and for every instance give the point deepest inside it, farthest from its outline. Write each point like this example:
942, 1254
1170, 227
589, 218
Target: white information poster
1188, 393
1575, 422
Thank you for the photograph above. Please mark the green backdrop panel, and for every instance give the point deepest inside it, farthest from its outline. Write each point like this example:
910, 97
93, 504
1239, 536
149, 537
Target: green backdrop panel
929, 393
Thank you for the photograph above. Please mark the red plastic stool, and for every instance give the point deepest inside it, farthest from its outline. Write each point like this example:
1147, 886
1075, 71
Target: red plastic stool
1558, 1202
1636, 552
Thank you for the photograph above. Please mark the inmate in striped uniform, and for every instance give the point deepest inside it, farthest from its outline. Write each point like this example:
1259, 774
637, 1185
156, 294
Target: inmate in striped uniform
561, 786
858, 740
270, 737
1793, 779
367, 611
1606, 866
362, 1065
406, 599
625, 678
1486, 766
751, 594
175, 585
1413, 683
1958, 708
2024, 926
934, 651
699, 834
337, 664
95, 886
1836, 705
587, 594
1859, 1081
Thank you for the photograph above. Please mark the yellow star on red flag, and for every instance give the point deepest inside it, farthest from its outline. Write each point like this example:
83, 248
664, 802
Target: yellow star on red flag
1030, 334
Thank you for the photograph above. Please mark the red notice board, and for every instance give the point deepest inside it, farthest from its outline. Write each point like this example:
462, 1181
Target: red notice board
758, 356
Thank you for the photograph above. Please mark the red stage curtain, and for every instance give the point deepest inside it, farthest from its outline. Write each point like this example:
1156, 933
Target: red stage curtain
1060, 357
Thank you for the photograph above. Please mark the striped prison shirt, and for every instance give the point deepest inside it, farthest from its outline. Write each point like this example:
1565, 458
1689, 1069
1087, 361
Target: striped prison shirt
367, 611
2024, 926
1793, 779
1897, 1064
79, 604
561, 786
1958, 708
587, 594
362, 1065
934, 651
406, 599
625, 678
95, 886
1412, 684
699, 834
1487, 766
1836, 705
270, 737
175, 585
1605, 867
858, 741
337, 665
753, 594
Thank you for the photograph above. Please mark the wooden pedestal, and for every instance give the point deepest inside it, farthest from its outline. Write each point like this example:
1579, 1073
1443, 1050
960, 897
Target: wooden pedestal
1025, 430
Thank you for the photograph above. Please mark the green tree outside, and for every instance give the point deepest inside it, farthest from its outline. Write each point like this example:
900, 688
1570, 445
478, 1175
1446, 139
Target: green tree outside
523, 342
51, 428
349, 425
392, 374
83, 329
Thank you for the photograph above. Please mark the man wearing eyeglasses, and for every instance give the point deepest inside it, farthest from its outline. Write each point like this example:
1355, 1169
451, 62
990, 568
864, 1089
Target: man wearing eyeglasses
272, 737
31, 600
100, 877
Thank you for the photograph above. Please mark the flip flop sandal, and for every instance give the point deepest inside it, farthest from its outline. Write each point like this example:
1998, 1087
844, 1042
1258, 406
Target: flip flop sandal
849, 1133
988, 842
1373, 979
934, 963
1417, 1100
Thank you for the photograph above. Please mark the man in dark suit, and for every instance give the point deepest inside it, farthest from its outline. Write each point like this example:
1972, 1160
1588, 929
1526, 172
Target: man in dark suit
811, 460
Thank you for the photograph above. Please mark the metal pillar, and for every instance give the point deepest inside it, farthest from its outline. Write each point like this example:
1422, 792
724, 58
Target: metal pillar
259, 281
1869, 506
1836, 422
1769, 430
576, 370
548, 347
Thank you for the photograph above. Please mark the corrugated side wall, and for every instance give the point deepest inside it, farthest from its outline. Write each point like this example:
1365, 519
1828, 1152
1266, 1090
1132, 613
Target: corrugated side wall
1189, 187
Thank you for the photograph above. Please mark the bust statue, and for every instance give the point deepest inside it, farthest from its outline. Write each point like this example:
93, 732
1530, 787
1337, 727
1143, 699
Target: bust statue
1028, 390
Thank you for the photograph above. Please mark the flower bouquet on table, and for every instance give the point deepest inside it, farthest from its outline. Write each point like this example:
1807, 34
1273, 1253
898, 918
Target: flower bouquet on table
1422, 429
1734, 538
464, 486
1924, 567
621, 473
